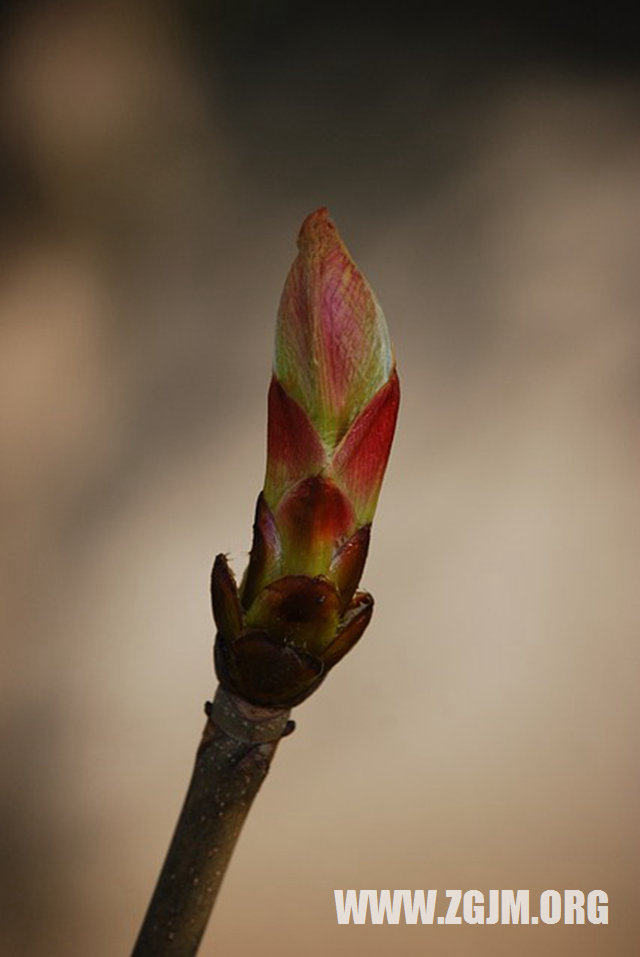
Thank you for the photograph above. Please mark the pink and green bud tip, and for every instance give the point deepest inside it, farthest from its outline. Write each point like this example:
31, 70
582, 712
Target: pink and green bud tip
333, 404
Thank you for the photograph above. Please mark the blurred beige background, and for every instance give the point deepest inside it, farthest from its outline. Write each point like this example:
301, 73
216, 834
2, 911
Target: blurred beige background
156, 164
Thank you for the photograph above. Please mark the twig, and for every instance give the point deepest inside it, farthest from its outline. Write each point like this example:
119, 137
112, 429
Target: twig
237, 747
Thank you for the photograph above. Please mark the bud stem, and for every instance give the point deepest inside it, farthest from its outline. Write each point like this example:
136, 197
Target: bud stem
233, 758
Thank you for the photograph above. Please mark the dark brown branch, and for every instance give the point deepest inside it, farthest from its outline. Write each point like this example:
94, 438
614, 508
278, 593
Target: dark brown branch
237, 747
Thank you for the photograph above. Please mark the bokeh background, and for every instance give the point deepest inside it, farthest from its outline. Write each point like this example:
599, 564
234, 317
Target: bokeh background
156, 162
